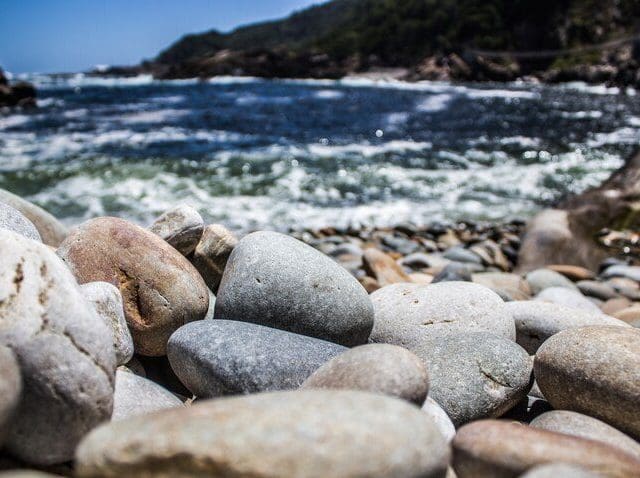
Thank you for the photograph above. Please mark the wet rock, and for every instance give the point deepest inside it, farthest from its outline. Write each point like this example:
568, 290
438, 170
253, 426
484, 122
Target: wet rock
14, 220
181, 227
577, 424
10, 389
541, 279
405, 313
64, 350
299, 434
212, 253
161, 290
135, 395
107, 301
593, 370
490, 448
220, 357
274, 280
383, 268
379, 368
537, 321
567, 298
50, 229
440, 418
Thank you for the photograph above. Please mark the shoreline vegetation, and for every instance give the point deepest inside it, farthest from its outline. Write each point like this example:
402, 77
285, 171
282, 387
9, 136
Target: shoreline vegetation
455, 40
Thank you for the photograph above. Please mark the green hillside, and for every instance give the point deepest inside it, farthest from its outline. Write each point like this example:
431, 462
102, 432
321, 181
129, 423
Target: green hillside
341, 35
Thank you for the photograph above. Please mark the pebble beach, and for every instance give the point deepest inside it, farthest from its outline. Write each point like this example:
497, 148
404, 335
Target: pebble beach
183, 349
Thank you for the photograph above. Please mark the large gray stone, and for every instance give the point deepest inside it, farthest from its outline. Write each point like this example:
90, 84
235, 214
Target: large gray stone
541, 279
300, 434
64, 350
496, 448
274, 280
379, 368
10, 389
212, 253
107, 300
408, 313
476, 375
160, 288
577, 424
593, 370
537, 321
50, 229
135, 395
14, 220
567, 298
181, 227
221, 357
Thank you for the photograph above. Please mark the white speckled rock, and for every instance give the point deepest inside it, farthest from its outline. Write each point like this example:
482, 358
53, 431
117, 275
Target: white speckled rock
568, 298
379, 368
50, 229
222, 357
64, 349
274, 280
593, 370
10, 389
409, 313
300, 434
541, 279
537, 321
577, 424
14, 220
135, 395
440, 418
181, 227
107, 301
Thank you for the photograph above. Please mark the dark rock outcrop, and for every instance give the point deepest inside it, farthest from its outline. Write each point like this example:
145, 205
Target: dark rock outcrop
20, 94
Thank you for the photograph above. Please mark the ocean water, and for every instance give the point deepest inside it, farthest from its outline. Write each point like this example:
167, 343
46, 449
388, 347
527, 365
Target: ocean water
294, 154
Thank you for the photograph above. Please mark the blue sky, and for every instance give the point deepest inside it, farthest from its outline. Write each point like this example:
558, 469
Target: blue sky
74, 35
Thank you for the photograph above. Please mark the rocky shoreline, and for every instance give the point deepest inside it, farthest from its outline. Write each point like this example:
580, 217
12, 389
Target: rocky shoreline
181, 349
19, 94
620, 67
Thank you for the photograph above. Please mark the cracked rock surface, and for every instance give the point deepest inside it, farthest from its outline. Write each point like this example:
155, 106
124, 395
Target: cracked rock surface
63, 348
160, 288
474, 375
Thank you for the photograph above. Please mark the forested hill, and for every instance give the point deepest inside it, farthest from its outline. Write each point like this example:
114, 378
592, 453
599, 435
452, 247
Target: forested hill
429, 37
